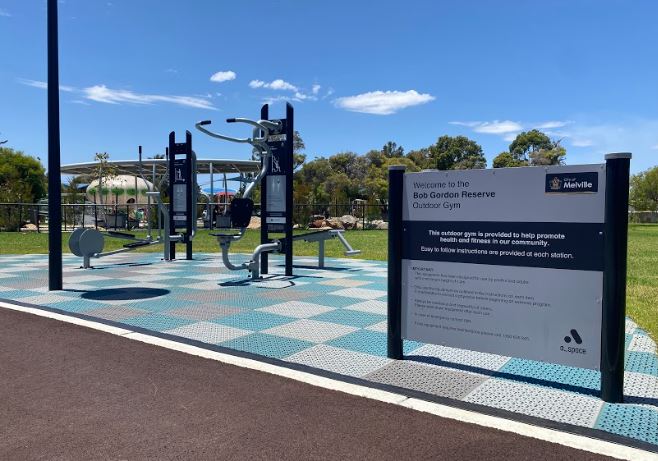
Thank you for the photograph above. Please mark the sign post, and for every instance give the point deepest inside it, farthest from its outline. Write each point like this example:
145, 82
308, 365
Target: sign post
276, 191
614, 281
395, 237
181, 190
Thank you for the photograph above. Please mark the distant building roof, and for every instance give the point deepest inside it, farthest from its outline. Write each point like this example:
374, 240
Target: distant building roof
132, 167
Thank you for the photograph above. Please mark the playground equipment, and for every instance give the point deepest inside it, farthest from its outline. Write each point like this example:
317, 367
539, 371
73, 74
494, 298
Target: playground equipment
180, 212
271, 141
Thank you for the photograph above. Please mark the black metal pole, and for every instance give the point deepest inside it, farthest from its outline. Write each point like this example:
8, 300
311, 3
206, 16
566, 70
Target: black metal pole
395, 236
170, 153
288, 158
264, 235
614, 276
191, 193
54, 176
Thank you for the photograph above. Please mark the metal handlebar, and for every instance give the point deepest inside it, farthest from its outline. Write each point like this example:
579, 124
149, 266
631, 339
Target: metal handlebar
264, 126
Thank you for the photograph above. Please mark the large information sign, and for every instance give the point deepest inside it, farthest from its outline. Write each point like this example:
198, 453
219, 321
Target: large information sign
506, 261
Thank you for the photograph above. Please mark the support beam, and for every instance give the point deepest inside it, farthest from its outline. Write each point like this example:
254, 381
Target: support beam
55, 281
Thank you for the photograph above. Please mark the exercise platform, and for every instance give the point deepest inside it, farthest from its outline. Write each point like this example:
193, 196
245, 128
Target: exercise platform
333, 322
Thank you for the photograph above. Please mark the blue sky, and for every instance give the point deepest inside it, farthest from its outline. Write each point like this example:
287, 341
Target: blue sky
358, 73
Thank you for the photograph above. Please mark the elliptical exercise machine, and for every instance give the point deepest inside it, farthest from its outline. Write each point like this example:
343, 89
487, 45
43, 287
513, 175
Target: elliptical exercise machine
180, 171
272, 142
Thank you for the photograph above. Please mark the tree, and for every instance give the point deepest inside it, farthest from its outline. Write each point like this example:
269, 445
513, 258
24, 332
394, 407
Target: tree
507, 160
532, 148
644, 190
527, 142
298, 146
391, 149
22, 178
456, 153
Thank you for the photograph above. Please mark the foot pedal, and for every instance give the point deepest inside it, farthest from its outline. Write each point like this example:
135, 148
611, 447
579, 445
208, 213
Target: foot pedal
352, 253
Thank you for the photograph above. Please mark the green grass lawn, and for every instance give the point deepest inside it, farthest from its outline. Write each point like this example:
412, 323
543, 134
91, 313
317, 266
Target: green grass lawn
642, 293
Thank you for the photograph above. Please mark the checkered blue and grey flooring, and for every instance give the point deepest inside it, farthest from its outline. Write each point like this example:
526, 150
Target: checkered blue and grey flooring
333, 320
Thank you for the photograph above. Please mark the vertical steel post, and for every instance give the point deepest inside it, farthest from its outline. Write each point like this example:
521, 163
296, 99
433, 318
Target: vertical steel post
264, 237
54, 176
211, 205
190, 196
288, 159
395, 237
614, 276
171, 156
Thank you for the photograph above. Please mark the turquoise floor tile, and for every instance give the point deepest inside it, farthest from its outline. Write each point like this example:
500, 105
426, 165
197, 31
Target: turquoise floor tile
267, 345
369, 342
254, 320
75, 305
553, 373
16, 295
641, 362
333, 300
638, 422
157, 322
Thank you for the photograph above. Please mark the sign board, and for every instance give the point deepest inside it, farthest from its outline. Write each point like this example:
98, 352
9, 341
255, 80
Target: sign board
180, 179
277, 182
506, 261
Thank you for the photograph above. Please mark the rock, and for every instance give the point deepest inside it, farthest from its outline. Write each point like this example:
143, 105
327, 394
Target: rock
254, 223
316, 222
348, 221
379, 224
296, 226
334, 223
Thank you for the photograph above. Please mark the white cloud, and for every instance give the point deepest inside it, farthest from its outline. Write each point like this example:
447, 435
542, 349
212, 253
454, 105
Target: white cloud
551, 124
101, 93
44, 85
498, 127
316, 88
468, 124
382, 102
223, 76
277, 84
5, 13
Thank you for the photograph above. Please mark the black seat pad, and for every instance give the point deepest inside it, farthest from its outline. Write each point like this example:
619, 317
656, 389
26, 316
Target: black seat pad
241, 211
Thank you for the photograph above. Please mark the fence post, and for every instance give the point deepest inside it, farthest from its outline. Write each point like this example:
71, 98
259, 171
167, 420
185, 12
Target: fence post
614, 276
395, 237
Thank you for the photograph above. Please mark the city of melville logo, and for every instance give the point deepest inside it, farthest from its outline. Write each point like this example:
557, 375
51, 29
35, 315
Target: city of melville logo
572, 182
555, 183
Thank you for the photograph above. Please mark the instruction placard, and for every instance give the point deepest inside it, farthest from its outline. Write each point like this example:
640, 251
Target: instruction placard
497, 261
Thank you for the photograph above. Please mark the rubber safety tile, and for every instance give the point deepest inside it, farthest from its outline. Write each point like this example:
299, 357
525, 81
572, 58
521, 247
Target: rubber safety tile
351, 318
429, 379
310, 330
557, 405
338, 360
207, 332
267, 345
638, 422
253, 320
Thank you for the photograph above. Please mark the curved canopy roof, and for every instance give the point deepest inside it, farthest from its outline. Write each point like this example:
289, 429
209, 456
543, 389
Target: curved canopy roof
132, 167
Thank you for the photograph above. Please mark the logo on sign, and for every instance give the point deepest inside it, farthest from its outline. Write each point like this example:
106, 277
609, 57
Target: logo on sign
572, 182
575, 337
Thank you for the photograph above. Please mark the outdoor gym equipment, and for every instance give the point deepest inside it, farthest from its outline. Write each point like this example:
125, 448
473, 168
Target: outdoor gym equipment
272, 142
180, 212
